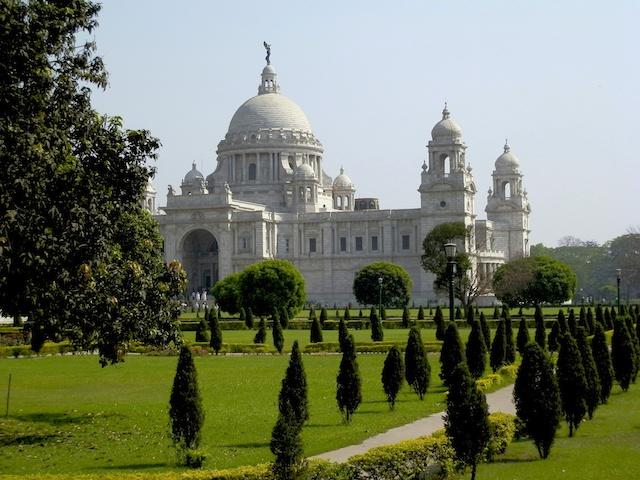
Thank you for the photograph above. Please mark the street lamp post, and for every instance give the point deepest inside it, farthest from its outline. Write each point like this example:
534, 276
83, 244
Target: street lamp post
618, 277
450, 252
380, 297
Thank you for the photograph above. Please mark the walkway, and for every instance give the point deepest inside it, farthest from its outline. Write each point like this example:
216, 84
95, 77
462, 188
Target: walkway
499, 401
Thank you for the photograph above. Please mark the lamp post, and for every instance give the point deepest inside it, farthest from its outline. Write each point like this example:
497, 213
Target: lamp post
618, 277
450, 252
380, 297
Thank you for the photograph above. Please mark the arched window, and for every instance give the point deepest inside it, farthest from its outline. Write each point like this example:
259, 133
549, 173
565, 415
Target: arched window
347, 202
339, 202
252, 171
309, 194
446, 165
301, 193
507, 189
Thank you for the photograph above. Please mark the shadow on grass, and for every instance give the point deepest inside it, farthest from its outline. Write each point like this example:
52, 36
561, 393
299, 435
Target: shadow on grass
132, 466
322, 425
8, 440
515, 460
247, 445
62, 418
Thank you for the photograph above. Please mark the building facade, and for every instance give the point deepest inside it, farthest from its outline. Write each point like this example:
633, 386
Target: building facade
270, 197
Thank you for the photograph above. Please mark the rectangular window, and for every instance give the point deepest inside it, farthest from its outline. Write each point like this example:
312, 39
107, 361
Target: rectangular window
359, 244
406, 242
312, 245
286, 245
343, 244
374, 243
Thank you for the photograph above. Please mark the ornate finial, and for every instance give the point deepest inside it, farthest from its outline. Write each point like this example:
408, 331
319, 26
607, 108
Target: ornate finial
268, 49
424, 165
193, 165
341, 170
445, 112
506, 146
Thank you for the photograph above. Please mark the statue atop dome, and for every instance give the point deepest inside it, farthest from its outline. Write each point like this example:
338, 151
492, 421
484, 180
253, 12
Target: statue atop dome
267, 47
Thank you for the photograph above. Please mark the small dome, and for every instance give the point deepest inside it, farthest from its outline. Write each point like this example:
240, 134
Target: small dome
342, 180
304, 172
193, 174
269, 70
446, 130
507, 161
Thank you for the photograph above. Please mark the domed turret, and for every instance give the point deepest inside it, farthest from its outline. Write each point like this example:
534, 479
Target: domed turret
343, 192
194, 182
446, 130
193, 174
342, 180
304, 172
507, 162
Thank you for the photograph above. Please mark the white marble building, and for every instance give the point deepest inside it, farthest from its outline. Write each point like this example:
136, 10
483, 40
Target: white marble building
269, 197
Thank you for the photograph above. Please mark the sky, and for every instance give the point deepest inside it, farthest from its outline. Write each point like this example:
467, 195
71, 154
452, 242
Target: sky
559, 79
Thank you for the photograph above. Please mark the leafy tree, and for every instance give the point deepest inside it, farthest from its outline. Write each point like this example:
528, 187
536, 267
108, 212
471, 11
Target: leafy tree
227, 293
466, 419
531, 280
602, 358
406, 317
293, 392
498, 348
451, 354
416, 364
284, 318
486, 332
186, 415
261, 334
78, 256
286, 445
476, 351
622, 354
396, 285
216, 334
420, 313
377, 334
510, 348
316, 331
572, 382
537, 398
276, 332
468, 285
392, 375
271, 284
349, 389
571, 323
470, 315
541, 334
438, 320
249, 320
343, 333
523, 336
554, 337
593, 393
323, 316
347, 313
202, 331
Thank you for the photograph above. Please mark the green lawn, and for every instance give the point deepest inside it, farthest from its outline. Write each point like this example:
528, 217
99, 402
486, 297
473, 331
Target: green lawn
70, 415
607, 447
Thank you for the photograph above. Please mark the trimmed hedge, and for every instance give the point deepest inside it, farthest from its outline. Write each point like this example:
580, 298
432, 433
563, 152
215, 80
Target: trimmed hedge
506, 374
430, 457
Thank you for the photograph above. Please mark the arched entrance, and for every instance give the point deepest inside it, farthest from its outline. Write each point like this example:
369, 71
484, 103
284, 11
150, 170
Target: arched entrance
200, 259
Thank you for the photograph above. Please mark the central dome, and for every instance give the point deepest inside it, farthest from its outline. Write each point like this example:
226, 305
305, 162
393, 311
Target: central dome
269, 110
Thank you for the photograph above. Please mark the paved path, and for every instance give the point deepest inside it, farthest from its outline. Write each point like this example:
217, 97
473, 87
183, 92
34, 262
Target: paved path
499, 401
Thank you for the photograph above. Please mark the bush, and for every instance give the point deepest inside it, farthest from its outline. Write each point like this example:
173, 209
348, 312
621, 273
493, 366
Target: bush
396, 285
602, 357
316, 332
417, 368
202, 332
502, 428
261, 334
572, 382
276, 332
377, 334
476, 351
349, 389
498, 348
451, 354
392, 375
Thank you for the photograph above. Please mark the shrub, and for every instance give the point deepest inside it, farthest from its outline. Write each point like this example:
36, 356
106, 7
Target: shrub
451, 354
286, 445
349, 389
323, 316
392, 375
202, 332
294, 388
420, 313
572, 382
498, 348
486, 332
592, 394
416, 364
316, 332
541, 334
554, 334
502, 428
249, 320
396, 285
622, 354
602, 358
406, 317
523, 335
343, 333
216, 334
276, 332
476, 351
510, 348
261, 334
438, 319
377, 334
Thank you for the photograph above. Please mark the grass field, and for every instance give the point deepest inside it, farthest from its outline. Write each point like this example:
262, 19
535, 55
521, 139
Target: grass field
607, 447
69, 415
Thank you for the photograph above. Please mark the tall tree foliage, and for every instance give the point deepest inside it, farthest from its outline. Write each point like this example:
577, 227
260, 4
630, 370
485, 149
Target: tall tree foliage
593, 391
396, 285
316, 331
602, 357
286, 446
78, 255
293, 391
406, 317
541, 334
523, 336
498, 348
572, 382
622, 354
349, 385
466, 419
510, 347
416, 364
537, 398
276, 333
451, 353
377, 333
476, 351
216, 333
392, 375
486, 332
438, 320
226, 292
261, 334
343, 333
554, 337
186, 415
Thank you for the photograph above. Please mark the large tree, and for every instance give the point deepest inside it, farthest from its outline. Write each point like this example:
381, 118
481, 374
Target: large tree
451, 353
294, 388
468, 283
537, 398
78, 257
572, 382
416, 363
348, 383
531, 280
396, 285
602, 357
271, 284
227, 293
392, 375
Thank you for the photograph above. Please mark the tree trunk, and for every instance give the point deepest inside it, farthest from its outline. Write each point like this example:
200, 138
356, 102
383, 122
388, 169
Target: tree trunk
473, 471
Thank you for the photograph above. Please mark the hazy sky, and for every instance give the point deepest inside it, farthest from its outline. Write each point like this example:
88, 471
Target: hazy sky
559, 79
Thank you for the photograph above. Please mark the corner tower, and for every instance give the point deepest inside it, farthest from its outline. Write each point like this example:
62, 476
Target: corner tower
508, 207
447, 190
